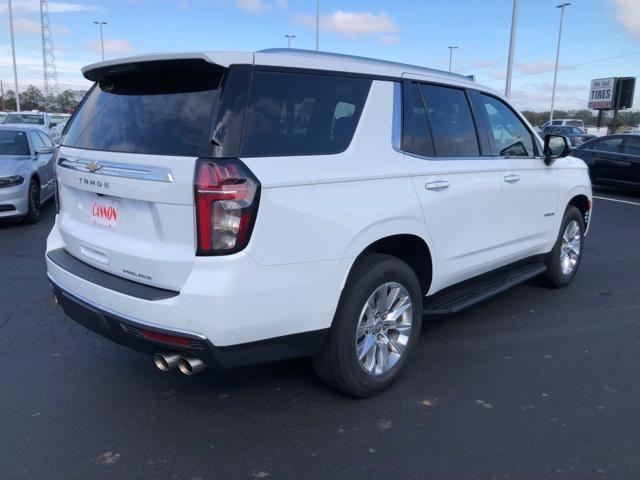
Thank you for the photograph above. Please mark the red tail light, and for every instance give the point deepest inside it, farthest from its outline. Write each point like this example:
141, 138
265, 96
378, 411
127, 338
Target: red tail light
227, 196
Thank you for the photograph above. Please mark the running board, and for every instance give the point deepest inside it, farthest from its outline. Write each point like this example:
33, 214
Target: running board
461, 296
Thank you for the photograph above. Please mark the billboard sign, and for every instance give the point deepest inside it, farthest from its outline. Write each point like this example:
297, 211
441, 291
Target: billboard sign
601, 94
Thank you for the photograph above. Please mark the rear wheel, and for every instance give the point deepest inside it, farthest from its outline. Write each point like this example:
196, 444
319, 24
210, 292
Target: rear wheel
375, 328
33, 214
565, 258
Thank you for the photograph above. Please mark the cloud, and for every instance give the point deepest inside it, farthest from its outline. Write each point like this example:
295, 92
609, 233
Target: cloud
351, 24
112, 45
30, 69
24, 25
283, 4
535, 67
389, 40
33, 6
479, 64
627, 11
253, 6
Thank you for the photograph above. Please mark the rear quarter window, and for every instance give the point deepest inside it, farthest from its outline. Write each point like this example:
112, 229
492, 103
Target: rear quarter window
302, 114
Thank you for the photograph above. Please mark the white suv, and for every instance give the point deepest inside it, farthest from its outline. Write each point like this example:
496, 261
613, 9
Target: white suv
222, 209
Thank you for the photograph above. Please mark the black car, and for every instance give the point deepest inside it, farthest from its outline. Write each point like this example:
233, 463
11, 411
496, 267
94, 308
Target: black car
576, 135
612, 160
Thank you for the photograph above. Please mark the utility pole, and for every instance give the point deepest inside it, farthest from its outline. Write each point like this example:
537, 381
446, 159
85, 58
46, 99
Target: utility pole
289, 38
512, 47
48, 54
555, 72
101, 24
451, 49
13, 54
1, 96
317, 25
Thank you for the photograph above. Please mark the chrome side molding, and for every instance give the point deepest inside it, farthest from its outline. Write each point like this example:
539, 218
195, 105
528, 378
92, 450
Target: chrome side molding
121, 170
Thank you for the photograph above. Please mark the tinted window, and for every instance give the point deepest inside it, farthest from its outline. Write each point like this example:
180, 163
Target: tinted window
511, 137
13, 143
607, 145
574, 123
33, 119
556, 122
632, 146
36, 141
416, 137
452, 126
300, 114
164, 113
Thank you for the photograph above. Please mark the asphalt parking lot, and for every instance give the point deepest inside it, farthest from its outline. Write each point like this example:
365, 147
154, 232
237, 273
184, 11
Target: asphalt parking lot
533, 384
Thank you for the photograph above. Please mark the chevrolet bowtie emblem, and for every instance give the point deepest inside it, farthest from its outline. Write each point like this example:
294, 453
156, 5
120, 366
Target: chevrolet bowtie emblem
93, 166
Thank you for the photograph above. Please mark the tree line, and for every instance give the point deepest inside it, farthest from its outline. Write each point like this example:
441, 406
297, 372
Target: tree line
32, 98
625, 118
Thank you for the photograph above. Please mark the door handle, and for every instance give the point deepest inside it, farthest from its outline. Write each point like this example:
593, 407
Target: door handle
513, 178
437, 186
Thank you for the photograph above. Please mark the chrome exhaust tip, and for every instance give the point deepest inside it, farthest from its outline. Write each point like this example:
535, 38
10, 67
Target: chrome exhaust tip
166, 361
191, 365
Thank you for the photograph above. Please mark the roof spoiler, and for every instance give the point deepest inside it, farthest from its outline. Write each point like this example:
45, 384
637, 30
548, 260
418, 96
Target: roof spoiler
97, 72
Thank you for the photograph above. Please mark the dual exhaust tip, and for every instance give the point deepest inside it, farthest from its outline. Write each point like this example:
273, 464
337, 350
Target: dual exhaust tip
187, 365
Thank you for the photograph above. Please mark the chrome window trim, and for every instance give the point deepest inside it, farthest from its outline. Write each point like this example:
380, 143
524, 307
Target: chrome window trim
396, 128
120, 170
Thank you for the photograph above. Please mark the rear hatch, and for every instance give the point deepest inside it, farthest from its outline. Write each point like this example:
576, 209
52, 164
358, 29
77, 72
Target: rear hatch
126, 169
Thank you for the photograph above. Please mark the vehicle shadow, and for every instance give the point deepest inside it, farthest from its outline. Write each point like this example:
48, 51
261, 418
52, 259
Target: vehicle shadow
629, 193
10, 223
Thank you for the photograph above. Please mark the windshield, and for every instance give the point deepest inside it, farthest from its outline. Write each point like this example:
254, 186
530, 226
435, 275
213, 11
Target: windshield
575, 130
59, 120
13, 143
33, 119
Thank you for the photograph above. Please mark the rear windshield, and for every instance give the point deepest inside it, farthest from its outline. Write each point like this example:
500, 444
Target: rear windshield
13, 143
24, 118
160, 113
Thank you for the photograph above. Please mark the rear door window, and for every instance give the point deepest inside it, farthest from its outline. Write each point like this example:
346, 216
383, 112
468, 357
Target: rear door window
452, 126
611, 145
416, 135
632, 146
302, 114
161, 113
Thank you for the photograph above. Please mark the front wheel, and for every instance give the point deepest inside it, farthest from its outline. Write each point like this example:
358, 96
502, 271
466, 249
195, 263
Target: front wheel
565, 258
375, 327
33, 214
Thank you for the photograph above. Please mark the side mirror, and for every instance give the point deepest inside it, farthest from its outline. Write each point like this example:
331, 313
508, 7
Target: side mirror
555, 147
44, 150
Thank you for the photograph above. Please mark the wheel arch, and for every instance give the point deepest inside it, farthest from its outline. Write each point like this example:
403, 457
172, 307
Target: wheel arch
410, 242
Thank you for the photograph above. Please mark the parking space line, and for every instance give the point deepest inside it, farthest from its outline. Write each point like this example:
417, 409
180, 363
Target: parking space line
618, 201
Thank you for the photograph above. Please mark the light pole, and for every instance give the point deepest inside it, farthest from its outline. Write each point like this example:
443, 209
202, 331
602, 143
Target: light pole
512, 47
101, 24
13, 53
451, 49
555, 72
289, 38
317, 25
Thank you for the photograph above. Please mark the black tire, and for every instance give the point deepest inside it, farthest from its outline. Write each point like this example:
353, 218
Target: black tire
554, 277
337, 363
33, 214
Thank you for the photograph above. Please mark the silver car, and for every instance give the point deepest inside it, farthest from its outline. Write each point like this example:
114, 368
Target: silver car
26, 171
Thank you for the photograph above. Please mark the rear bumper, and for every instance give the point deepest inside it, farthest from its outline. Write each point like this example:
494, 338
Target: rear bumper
134, 334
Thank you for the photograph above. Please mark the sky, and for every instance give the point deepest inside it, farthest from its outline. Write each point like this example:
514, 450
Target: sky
601, 38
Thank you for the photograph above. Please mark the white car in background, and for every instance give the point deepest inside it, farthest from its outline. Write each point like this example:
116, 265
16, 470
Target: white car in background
224, 209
